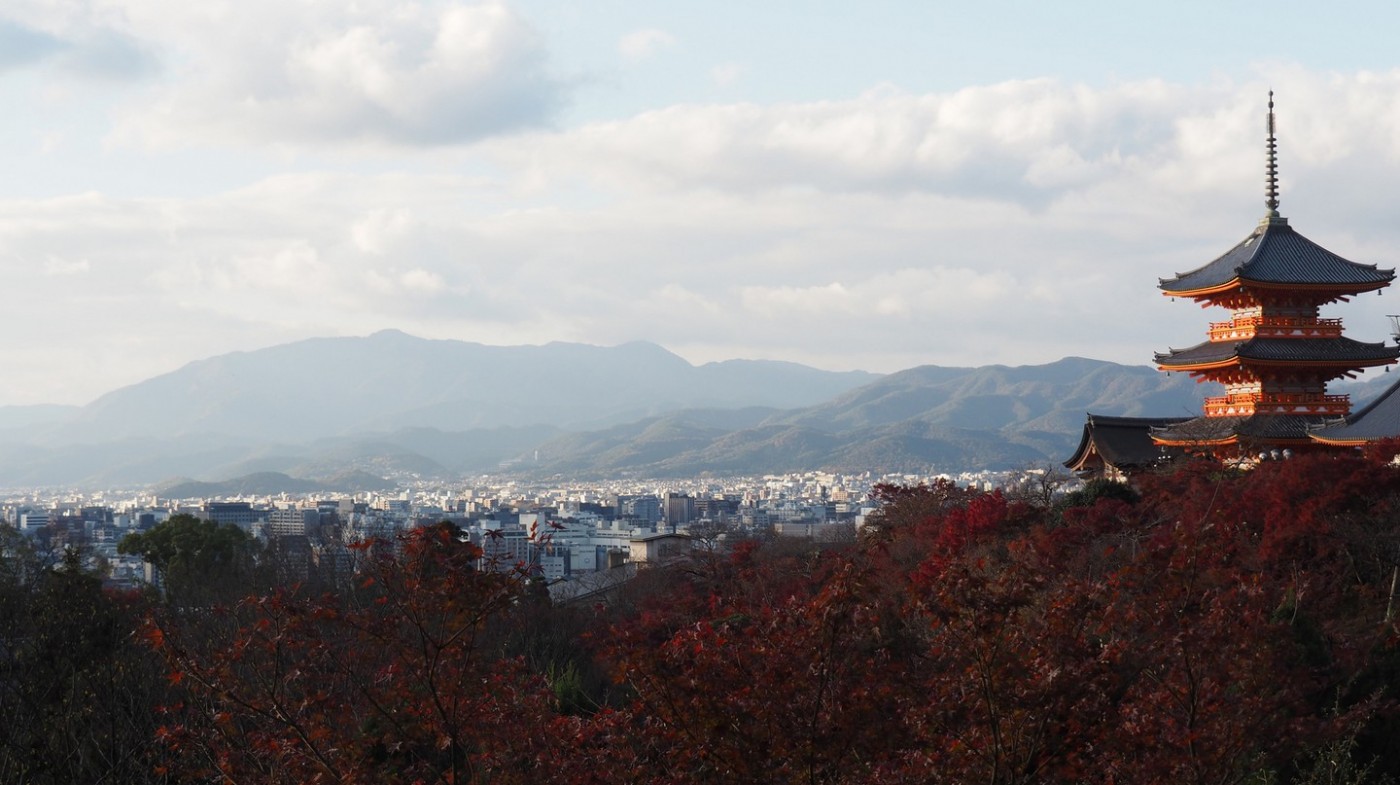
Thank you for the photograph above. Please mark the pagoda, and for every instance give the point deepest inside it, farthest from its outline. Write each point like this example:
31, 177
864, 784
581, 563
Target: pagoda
1275, 355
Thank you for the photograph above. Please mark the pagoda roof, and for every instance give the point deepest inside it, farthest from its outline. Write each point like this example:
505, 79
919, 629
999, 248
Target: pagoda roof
1304, 351
1379, 419
1249, 428
1275, 254
1122, 442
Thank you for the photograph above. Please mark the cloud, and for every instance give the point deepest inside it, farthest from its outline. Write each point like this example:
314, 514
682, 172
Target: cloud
53, 266
644, 44
1012, 224
378, 72
726, 74
1027, 140
379, 229
900, 294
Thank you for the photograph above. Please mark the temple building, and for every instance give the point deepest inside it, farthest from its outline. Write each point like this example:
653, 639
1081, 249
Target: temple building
1116, 447
1276, 354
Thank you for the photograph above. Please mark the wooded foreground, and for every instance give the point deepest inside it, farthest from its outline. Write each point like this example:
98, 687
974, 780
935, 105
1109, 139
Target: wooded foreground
1207, 626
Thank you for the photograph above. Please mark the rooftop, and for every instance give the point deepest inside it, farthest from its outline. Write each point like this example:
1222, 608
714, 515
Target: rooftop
1274, 253
1338, 351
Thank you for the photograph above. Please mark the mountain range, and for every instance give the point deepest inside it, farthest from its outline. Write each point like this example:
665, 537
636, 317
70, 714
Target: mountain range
393, 405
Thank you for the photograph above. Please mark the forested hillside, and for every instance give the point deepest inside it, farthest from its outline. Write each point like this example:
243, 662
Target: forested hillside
1207, 626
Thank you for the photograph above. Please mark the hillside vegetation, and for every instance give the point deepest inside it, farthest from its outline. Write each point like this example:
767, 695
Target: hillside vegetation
1207, 626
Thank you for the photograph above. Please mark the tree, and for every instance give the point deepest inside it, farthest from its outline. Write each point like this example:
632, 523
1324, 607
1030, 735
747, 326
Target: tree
197, 561
389, 683
764, 686
78, 691
1218, 627
1038, 485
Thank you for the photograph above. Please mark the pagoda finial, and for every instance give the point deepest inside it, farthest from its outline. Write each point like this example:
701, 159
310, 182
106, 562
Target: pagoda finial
1271, 171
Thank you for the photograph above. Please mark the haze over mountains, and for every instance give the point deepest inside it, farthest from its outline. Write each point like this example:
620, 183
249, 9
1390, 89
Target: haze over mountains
325, 410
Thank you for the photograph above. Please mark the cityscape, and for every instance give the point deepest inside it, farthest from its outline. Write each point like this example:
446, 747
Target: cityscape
566, 533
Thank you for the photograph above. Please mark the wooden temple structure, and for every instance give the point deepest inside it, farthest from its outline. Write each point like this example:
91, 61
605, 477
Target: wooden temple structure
1116, 447
1274, 356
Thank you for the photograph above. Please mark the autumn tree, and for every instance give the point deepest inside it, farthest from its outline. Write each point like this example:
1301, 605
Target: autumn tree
785, 676
386, 684
1212, 626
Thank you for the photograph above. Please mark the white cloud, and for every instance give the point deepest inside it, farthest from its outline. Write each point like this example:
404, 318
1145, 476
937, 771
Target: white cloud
1025, 140
390, 72
644, 44
420, 281
53, 266
377, 231
726, 74
294, 268
908, 293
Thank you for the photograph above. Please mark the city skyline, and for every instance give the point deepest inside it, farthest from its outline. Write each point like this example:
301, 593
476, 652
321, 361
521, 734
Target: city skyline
876, 188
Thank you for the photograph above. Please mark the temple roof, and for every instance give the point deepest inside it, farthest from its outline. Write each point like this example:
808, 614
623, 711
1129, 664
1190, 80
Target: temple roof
1327, 351
1122, 442
1276, 254
1379, 419
1254, 427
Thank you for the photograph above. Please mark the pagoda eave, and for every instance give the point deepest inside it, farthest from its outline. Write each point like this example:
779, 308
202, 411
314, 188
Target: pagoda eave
1233, 440
1235, 285
1338, 368
1230, 440
1357, 442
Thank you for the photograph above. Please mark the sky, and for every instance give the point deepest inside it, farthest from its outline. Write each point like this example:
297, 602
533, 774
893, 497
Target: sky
873, 186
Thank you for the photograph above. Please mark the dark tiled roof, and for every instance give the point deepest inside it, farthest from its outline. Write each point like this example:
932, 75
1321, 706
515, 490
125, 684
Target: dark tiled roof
1123, 442
1379, 419
1247, 428
1332, 350
1274, 253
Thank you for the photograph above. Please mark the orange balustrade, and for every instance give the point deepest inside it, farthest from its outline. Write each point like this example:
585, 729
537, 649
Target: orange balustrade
1274, 327
1241, 404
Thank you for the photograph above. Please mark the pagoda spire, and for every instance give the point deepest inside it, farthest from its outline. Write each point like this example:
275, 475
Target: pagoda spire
1271, 169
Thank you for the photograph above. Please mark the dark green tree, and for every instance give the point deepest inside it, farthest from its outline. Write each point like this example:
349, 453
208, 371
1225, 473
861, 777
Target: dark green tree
197, 561
78, 689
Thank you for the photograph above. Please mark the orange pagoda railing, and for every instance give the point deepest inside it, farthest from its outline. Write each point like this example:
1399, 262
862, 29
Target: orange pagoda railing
1277, 403
1274, 327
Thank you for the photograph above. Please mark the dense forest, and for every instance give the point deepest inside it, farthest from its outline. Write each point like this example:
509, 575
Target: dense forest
1205, 625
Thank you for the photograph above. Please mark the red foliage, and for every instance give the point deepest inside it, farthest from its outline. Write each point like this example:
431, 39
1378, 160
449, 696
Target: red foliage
708, 704
388, 685
1206, 633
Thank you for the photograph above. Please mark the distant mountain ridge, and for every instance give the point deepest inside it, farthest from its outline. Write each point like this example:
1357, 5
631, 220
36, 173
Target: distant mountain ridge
389, 380
392, 405
928, 418
272, 483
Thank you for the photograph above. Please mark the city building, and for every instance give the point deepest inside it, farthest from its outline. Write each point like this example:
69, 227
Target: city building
240, 514
658, 548
679, 509
292, 522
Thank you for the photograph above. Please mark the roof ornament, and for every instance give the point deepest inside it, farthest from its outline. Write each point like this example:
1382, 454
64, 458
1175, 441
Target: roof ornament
1272, 168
